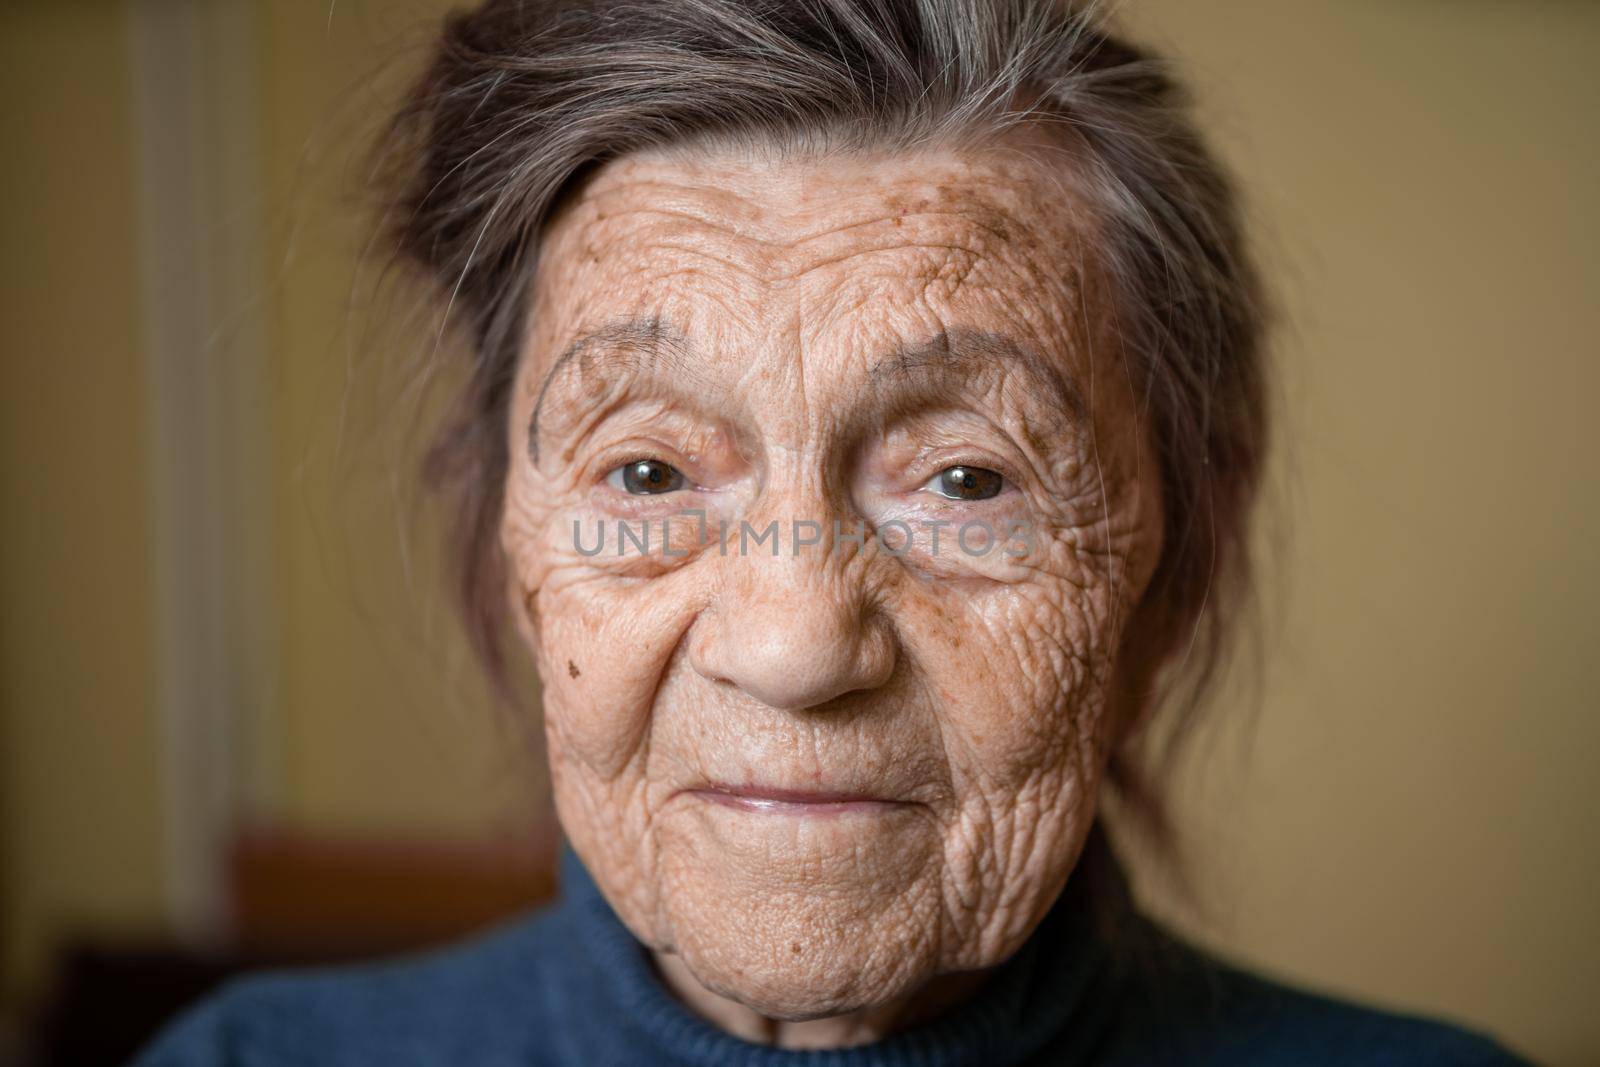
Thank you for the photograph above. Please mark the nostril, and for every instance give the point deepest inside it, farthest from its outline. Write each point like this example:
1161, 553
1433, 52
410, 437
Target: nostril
794, 656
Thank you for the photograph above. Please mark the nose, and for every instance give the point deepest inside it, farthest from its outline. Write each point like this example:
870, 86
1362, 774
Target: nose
794, 632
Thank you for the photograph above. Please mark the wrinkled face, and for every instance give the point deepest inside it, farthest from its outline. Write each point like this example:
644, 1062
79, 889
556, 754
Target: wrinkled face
825, 763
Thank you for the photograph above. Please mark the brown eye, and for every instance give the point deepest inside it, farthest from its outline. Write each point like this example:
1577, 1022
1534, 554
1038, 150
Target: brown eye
967, 483
646, 477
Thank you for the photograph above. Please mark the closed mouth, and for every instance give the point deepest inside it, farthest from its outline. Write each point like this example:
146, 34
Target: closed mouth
794, 801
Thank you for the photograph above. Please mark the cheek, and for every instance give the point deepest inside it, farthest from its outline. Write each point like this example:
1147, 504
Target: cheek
1017, 674
603, 649
601, 636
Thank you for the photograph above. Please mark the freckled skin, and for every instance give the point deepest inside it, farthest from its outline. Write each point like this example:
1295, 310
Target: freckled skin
972, 692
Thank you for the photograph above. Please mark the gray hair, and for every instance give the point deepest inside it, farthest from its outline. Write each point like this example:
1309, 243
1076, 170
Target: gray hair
525, 97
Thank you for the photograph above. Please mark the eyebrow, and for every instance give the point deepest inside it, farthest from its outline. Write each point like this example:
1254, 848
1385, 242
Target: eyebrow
951, 347
634, 344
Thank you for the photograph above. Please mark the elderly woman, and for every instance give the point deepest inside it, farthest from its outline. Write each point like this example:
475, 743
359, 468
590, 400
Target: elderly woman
865, 409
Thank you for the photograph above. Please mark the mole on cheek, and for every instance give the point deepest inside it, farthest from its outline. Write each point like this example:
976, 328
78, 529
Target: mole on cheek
572, 669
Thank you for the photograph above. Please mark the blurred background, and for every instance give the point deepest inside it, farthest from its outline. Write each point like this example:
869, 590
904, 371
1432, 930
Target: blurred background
237, 724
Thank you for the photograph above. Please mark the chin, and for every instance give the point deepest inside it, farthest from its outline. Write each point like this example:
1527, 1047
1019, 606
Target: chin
803, 936
848, 975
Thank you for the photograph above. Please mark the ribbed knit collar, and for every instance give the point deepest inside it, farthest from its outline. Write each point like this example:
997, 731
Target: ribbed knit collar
1041, 997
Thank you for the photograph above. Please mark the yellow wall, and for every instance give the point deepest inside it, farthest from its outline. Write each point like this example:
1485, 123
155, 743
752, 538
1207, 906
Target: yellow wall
1409, 819
1418, 819
80, 784
382, 711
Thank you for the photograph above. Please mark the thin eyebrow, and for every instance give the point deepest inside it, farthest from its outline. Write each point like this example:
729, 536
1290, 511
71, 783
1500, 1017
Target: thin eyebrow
950, 347
633, 342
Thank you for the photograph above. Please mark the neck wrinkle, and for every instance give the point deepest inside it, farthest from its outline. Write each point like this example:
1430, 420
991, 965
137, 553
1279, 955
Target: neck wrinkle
1049, 994
938, 997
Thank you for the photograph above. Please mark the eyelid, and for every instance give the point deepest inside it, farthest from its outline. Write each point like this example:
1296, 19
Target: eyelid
608, 459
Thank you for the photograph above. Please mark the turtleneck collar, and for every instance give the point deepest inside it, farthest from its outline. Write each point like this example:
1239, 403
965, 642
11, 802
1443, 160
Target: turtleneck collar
1043, 997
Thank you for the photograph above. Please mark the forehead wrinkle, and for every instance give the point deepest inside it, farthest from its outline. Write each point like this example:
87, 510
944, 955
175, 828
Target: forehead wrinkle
768, 260
942, 253
622, 346
970, 218
757, 220
954, 348
662, 242
762, 243
664, 227
678, 201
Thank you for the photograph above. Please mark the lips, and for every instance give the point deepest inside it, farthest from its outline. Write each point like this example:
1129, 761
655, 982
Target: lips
774, 801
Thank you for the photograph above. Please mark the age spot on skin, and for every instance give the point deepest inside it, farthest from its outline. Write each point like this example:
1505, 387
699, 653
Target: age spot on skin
820, 336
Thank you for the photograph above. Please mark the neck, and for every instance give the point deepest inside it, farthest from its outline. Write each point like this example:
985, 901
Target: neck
859, 1027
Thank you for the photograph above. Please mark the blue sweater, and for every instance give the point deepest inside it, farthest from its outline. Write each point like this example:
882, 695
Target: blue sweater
570, 985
